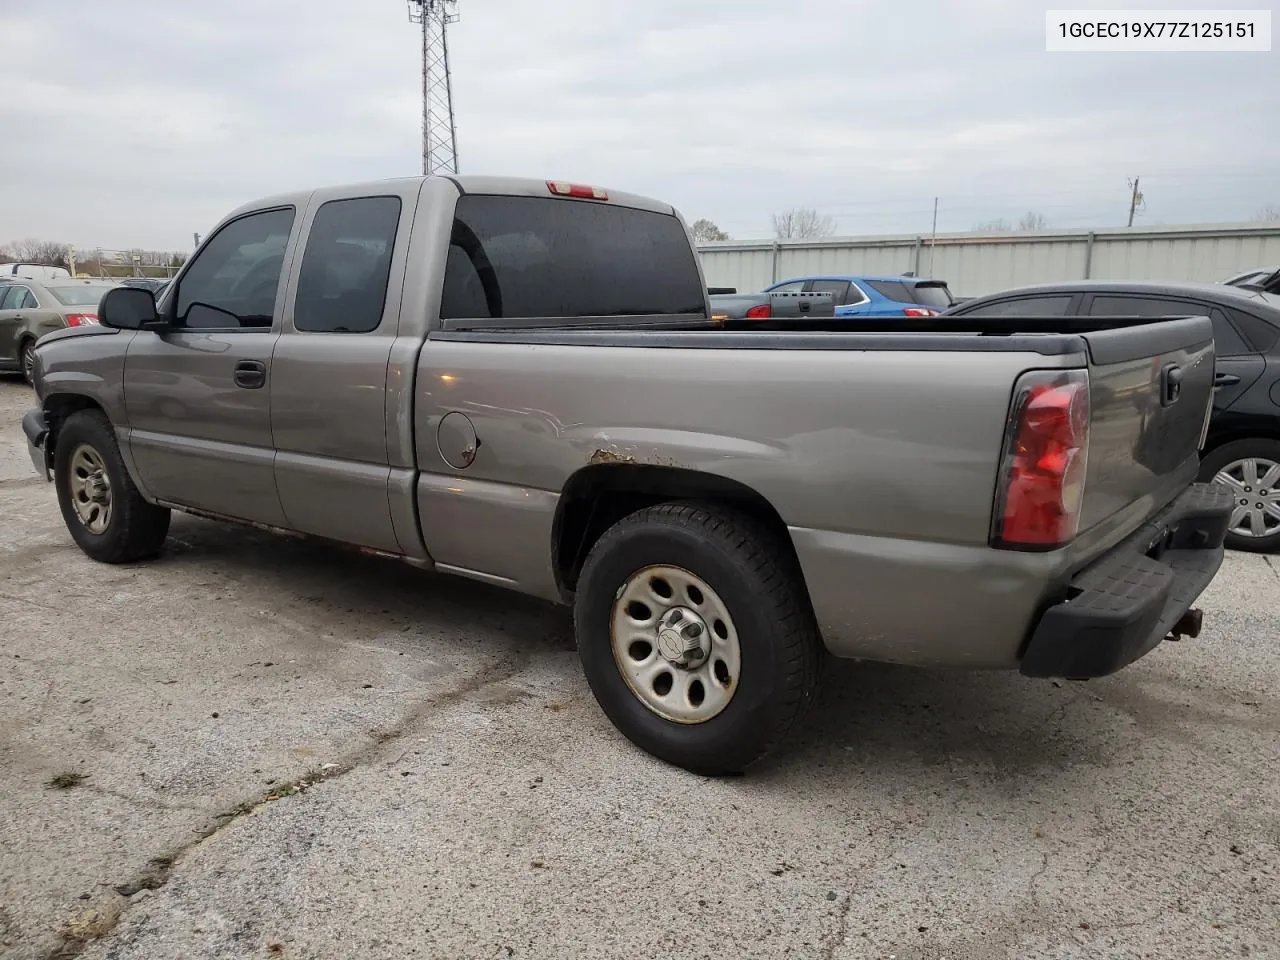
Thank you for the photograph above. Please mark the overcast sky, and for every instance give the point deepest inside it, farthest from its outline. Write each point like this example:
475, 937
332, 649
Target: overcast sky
135, 123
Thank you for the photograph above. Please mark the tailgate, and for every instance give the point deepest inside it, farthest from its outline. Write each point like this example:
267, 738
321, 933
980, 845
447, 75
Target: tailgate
1150, 390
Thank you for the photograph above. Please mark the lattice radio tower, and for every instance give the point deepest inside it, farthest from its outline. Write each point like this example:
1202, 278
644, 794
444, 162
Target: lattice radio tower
439, 136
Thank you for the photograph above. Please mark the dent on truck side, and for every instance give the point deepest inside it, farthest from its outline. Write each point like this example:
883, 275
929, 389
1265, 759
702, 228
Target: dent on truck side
881, 465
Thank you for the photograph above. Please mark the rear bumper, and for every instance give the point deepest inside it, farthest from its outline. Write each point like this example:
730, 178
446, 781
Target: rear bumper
1123, 605
36, 427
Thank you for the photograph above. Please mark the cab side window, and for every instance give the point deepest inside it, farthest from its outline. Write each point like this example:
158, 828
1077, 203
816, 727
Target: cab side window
342, 284
232, 282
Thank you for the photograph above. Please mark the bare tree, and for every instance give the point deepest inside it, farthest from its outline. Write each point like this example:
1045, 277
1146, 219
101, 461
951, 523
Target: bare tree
1270, 213
704, 230
993, 226
1032, 221
47, 252
6, 253
802, 223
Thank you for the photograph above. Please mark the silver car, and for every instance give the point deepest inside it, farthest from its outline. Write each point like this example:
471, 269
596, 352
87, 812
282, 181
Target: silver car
31, 308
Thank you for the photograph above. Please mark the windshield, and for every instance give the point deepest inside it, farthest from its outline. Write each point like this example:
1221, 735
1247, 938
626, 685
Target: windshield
79, 296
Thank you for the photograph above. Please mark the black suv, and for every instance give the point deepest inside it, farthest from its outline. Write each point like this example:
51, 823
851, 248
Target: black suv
1243, 447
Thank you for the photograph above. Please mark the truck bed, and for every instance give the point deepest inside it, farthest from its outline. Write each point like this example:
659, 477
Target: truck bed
879, 451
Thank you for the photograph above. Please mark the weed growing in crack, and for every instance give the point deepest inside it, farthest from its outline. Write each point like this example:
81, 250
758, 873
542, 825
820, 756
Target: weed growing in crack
66, 780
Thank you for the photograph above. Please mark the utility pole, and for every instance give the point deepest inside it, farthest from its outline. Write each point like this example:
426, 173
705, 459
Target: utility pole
196, 238
1135, 199
933, 236
439, 134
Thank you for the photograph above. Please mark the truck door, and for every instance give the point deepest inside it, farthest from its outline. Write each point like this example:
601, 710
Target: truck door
197, 394
330, 394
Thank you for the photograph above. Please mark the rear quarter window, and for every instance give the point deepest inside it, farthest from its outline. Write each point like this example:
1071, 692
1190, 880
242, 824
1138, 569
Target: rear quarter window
892, 290
1262, 335
932, 295
530, 258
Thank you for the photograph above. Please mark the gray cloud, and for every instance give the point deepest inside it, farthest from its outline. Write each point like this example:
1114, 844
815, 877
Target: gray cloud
141, 123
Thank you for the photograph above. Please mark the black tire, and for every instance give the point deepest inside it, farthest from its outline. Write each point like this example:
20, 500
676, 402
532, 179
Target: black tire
27, 360
754, 572
1217, 459
136, 529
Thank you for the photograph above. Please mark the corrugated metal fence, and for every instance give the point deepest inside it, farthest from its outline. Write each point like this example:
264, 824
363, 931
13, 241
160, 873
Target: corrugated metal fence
974, 264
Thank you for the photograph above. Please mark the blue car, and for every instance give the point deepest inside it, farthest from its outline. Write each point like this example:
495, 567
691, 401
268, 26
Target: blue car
875, 296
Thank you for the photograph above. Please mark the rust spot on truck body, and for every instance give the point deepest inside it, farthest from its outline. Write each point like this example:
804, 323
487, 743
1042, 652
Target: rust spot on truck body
608, 456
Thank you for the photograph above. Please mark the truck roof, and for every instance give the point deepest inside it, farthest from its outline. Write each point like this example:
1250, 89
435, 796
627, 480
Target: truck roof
469, 183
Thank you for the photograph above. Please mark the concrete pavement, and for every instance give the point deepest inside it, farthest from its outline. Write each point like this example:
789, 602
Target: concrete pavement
284, 750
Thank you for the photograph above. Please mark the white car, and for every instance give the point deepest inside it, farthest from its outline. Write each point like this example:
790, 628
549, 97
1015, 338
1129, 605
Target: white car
34, 271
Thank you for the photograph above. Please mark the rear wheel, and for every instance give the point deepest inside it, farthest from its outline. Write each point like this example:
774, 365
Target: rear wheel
696, 635
27, 358
1251, 470
103, 510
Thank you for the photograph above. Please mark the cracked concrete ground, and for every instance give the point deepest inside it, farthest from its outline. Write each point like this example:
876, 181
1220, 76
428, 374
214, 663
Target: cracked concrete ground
466, 798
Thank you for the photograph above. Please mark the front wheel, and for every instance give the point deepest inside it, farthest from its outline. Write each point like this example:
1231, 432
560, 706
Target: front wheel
27, 357
103, 510
696, 635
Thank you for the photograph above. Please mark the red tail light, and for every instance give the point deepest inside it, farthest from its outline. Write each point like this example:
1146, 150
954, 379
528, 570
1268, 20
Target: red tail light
579, 190
81, 319
1046, 450
762, 312
918, 312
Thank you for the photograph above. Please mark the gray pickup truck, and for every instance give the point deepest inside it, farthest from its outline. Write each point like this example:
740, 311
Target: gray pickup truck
518, 381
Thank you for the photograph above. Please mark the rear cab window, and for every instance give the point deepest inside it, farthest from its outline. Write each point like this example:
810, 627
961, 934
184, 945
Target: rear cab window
521, 261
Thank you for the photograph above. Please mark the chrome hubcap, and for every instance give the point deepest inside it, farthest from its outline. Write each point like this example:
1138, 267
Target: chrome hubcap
675, 644
90, 489
1255, 482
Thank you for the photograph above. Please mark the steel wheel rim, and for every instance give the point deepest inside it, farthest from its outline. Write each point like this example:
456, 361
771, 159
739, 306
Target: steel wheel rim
1255, 481
656, 610
90, 488
28, 361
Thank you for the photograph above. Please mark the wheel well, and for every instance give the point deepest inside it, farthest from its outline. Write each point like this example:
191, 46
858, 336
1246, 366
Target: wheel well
1258, 431
57, 408
598, 496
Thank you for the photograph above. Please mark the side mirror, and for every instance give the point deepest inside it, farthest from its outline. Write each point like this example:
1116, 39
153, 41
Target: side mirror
128, 308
